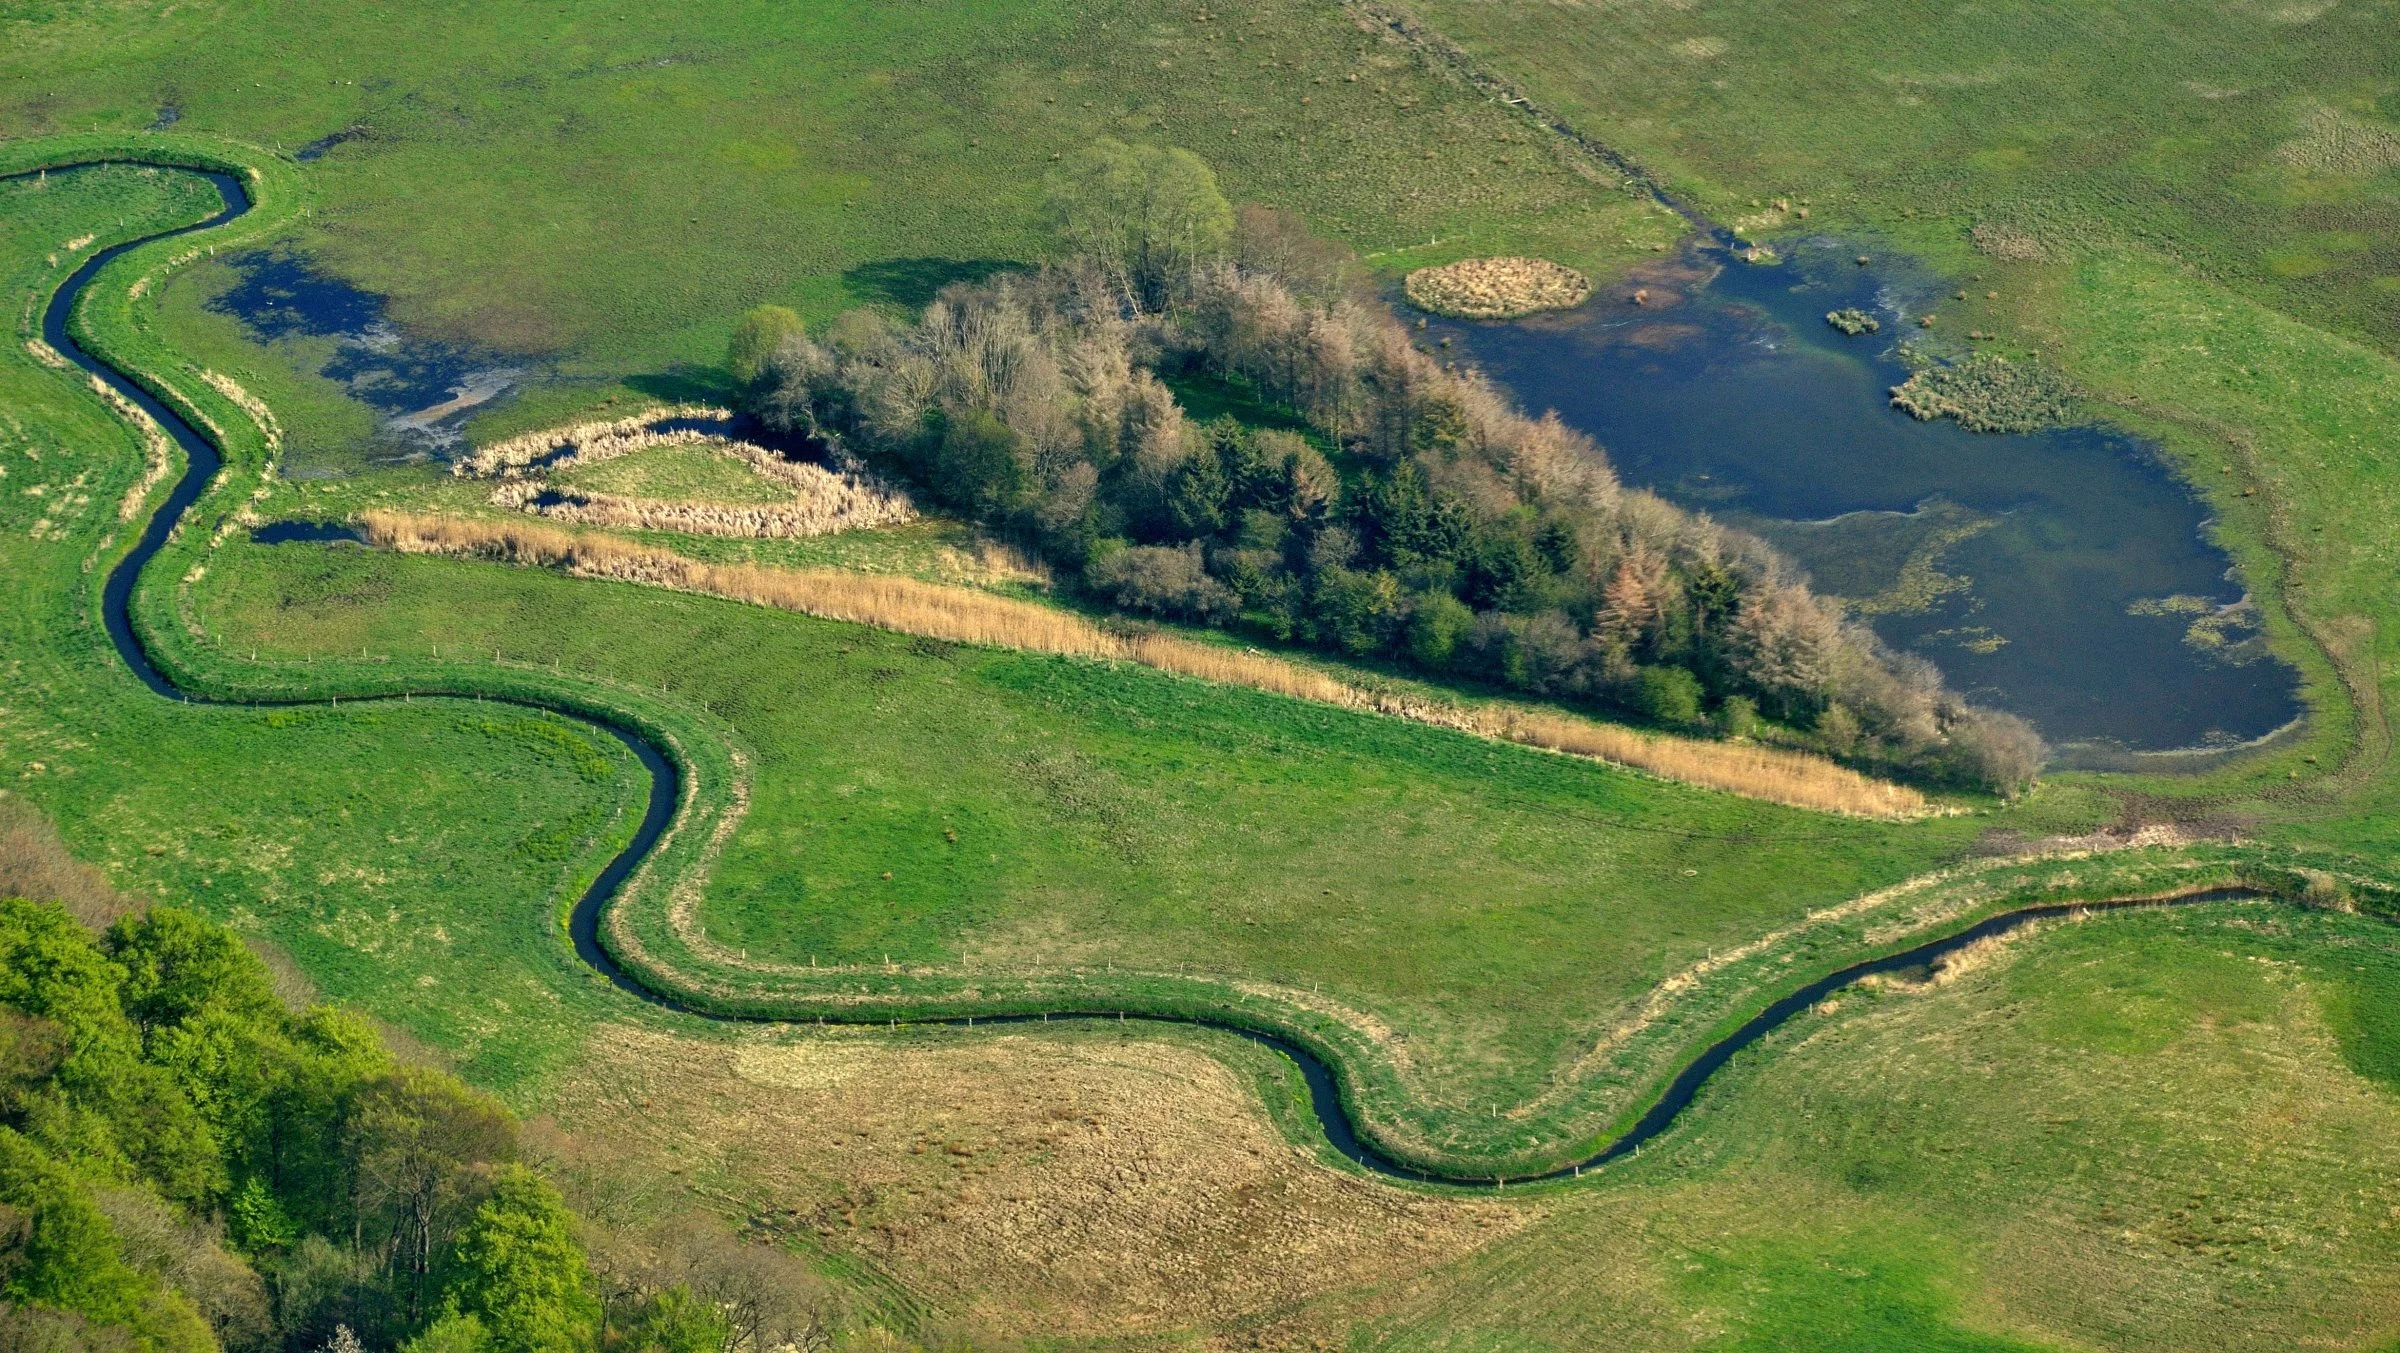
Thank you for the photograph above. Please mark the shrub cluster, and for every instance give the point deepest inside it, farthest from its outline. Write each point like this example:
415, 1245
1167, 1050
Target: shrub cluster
1853, 321
1406, 512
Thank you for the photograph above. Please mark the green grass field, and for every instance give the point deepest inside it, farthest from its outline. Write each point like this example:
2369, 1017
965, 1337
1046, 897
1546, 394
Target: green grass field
1490, 904
2255, 141
2156, 1131
605, 188
680, 475
335, 834
1994, 1164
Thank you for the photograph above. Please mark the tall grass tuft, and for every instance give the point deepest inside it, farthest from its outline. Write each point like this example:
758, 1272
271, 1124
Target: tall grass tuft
961, 615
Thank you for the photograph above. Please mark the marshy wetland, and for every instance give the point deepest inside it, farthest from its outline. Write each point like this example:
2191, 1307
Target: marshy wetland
2064, 574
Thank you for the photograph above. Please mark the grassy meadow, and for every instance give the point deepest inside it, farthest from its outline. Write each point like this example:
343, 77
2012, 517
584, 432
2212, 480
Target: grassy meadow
335, 834
2257, 141
1033, 811
601, 190
1997, 1163
2152, 1131
679, 474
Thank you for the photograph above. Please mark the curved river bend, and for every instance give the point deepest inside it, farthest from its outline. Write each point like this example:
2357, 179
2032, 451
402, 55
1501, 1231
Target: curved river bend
203, 462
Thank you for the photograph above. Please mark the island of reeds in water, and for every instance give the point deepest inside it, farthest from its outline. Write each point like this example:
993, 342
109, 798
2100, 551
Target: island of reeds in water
2062, 573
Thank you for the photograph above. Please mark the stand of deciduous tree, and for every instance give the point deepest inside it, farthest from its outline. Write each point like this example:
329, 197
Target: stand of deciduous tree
187, 1163
1406, 511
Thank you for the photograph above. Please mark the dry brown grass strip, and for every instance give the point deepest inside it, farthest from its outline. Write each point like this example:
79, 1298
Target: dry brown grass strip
35, 864
965, 616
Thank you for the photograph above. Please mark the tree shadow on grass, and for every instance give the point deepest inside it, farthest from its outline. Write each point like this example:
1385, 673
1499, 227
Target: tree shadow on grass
685, 383
912, 283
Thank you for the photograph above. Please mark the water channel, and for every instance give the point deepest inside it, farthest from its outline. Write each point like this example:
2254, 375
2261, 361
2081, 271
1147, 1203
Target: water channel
1326, 1101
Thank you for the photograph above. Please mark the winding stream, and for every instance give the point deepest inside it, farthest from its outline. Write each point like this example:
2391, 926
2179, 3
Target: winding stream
204, 461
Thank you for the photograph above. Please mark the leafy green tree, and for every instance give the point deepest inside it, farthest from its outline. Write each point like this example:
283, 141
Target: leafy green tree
1436, 623
105, 1105
58, 1251
1144, 211
1357, 611
1670, 695
257, 1219
676, 1321
424, 1150
756, 336
520, 1272
977, 464
455, 1332
179, 967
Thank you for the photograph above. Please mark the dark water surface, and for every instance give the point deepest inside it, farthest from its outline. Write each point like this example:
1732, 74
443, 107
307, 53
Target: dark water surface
2064, 575
424, 389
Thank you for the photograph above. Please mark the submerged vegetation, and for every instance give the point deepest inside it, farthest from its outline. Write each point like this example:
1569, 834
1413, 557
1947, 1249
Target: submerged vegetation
1411, 514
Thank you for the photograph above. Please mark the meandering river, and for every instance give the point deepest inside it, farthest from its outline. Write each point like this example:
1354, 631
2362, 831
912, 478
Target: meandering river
1332, 1115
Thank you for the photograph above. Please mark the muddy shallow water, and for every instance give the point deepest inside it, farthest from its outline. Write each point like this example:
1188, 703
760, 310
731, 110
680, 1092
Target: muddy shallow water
2065, 574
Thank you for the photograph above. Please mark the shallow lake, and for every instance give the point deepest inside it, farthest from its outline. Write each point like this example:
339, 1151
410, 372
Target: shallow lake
2065, 574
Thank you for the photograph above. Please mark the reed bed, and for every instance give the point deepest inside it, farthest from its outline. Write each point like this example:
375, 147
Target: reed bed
848, 497
960, 615
1496, 288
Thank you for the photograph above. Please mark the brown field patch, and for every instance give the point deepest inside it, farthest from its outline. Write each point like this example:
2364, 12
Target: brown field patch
1081, 1182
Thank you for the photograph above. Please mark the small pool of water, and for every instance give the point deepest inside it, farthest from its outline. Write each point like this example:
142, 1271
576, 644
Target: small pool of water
2065, 575
424, 389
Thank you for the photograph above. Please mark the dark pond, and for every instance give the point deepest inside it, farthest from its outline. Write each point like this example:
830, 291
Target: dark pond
2064, 575
423, 388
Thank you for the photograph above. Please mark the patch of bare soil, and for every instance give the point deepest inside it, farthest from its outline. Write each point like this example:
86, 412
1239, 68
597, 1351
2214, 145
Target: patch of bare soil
1076, 1182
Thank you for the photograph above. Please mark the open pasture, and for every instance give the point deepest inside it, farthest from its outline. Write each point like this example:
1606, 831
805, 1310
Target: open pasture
2161, 1131
595, 193
1492, 906
2257, 141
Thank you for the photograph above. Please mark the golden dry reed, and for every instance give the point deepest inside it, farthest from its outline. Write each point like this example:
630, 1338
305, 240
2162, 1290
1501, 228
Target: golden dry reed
1496, 288
962, 615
